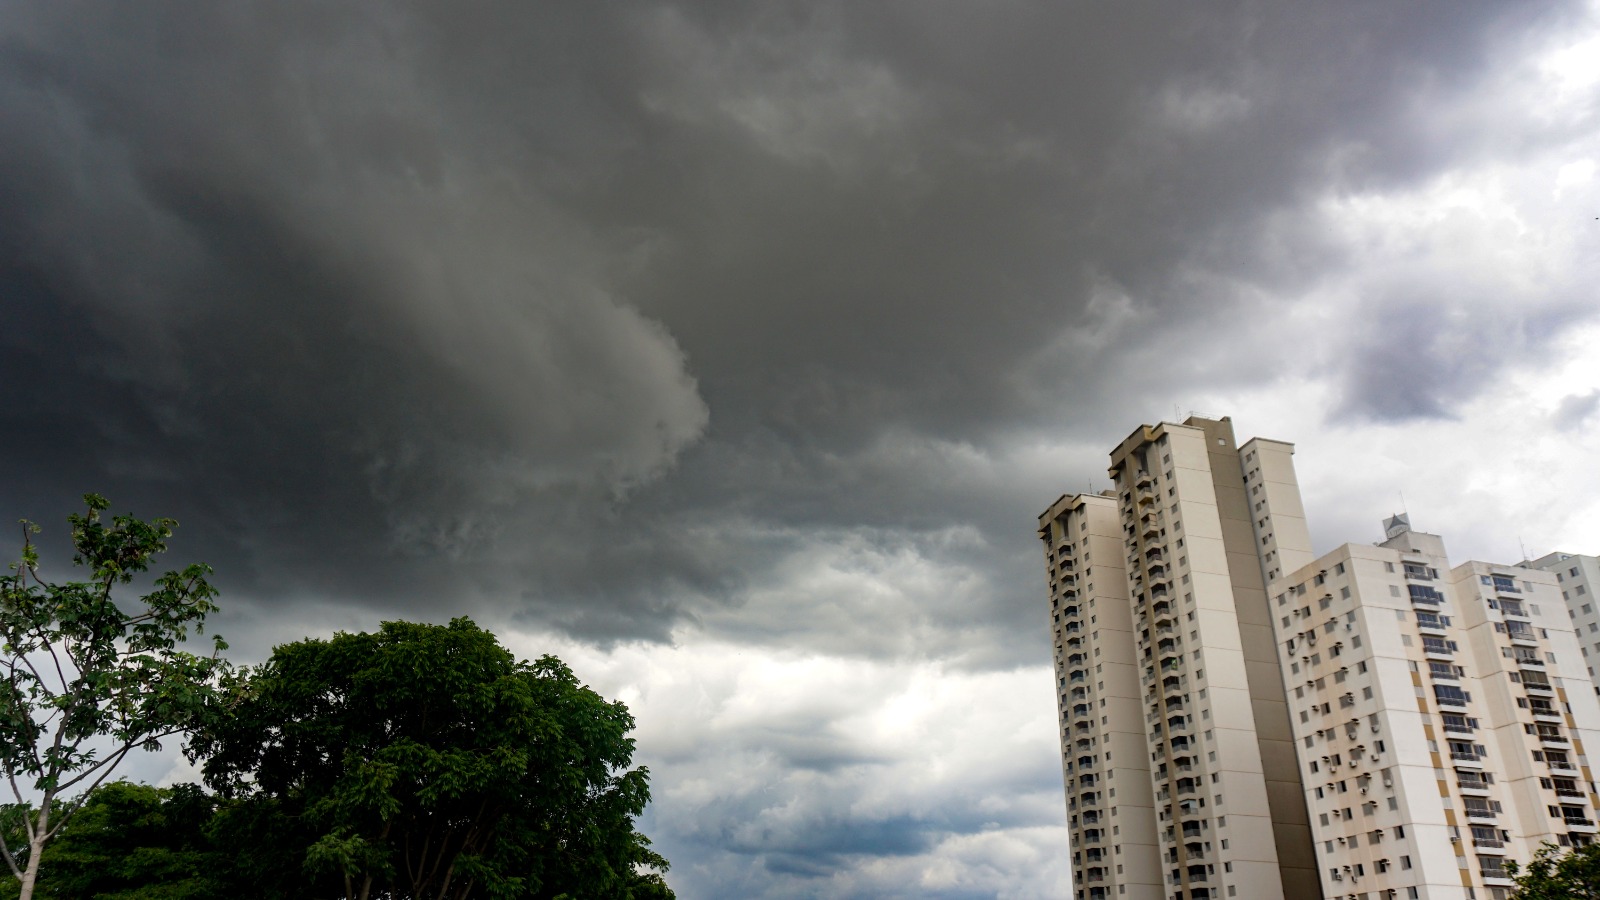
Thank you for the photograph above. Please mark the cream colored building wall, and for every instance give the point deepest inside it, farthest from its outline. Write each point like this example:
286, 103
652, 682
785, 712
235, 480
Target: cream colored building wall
1169, 478
1391, 753
1276, 510
1529, 782
1233, 483
1394, 726
1216, 662
1113, 835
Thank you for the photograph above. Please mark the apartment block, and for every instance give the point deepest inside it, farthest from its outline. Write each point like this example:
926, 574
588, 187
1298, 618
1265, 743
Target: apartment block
1578, 576
1373, 723
1176, 635
1441, 713
1104, 761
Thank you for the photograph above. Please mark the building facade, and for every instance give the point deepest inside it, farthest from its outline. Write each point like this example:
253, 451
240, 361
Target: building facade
1182, 722
1370, 724
1578, 576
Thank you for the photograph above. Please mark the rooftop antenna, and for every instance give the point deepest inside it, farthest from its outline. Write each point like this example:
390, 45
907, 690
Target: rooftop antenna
1523, 547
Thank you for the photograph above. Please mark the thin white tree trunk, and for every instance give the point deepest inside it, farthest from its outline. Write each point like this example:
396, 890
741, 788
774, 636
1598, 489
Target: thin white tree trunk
36, 838
30, 875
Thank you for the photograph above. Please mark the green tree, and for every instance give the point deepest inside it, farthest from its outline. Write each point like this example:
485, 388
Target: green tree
1555, 874
135, 842
427, 761
84, 681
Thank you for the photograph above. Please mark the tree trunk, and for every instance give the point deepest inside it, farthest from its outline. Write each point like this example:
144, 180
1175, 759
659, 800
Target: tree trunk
30, 875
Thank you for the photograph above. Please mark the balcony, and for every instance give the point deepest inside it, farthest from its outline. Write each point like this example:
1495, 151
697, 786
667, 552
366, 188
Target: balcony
1550, 735
1417, 573
1464, 758
1522, 635
1542, 686
1438, 647
1437, 624
1582, 825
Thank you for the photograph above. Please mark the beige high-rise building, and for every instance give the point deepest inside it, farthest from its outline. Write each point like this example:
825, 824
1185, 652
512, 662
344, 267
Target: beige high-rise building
1370, 724
1176, 741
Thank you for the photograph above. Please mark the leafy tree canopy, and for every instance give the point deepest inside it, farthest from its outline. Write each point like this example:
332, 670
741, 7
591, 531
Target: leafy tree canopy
426, 761
1554, 874
84, 679
135, 842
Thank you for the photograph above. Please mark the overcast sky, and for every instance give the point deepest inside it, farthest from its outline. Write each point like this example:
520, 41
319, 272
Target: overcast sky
730, 350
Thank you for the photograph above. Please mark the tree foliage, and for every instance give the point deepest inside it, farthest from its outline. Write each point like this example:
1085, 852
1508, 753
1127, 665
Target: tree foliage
426, 761
135, 842
1555, 874
85, 680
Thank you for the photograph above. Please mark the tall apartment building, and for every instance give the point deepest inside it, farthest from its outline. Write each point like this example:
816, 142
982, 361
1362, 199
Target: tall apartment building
1578, 576
1175, 731
1370, 724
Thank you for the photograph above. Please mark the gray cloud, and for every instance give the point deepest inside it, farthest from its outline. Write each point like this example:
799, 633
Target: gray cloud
770, 322
1575, 410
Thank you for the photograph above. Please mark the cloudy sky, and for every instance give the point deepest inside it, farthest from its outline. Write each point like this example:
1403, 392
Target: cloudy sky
730, 349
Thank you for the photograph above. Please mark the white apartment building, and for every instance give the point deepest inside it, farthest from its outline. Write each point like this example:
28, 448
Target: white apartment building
1371, 724
1578, 576
1441, 715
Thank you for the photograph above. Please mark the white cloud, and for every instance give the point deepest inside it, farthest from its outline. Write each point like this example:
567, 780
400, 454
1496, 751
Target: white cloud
880, 774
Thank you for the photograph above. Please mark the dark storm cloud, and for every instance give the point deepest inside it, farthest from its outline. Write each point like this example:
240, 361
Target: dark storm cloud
402, 293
